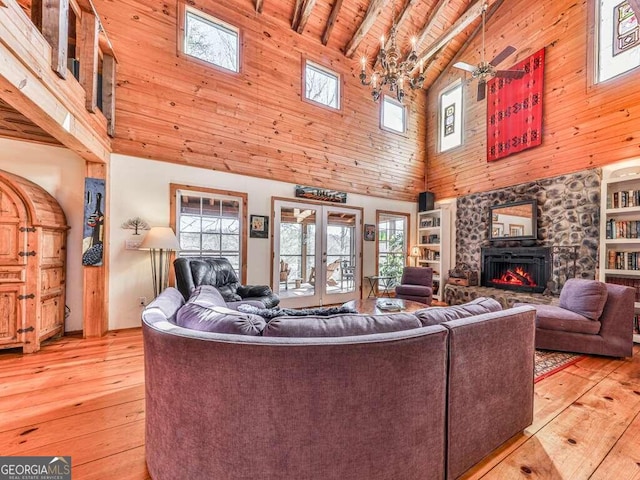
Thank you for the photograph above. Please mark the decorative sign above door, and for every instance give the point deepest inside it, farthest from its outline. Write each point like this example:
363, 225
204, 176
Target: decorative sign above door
514, 109
315, 193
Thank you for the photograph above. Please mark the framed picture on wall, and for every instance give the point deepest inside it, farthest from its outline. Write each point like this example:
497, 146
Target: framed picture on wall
259, 226
369, 232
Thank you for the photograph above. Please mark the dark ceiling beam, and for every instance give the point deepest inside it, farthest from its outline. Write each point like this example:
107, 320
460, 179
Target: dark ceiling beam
305, 14
375, 7
296, 14
473, 12
259, 6
335, 10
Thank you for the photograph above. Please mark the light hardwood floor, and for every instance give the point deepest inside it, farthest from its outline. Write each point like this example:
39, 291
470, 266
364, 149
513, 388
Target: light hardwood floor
85, 398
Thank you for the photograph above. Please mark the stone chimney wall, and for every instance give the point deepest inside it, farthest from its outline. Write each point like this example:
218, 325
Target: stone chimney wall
568, 216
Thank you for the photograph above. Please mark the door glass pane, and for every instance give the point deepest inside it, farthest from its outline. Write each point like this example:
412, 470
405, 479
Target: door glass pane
297, 252
340, 252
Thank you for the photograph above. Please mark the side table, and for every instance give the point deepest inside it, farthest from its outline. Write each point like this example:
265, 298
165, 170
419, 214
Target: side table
376, 281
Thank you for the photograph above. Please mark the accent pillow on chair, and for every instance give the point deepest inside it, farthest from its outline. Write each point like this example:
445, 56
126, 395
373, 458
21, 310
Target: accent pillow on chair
585, 297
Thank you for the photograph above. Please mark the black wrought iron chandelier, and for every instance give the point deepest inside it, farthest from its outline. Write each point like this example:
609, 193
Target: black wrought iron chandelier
393, 73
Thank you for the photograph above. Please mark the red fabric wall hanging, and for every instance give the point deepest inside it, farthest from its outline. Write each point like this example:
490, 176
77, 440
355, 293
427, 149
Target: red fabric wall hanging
514, 109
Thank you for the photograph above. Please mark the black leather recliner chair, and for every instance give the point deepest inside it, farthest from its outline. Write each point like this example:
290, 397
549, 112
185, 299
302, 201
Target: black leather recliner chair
218, 272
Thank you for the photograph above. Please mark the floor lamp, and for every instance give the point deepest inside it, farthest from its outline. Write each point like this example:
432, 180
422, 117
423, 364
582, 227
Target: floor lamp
160, 241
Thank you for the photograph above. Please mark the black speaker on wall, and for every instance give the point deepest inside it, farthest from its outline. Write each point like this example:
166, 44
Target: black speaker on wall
425, 201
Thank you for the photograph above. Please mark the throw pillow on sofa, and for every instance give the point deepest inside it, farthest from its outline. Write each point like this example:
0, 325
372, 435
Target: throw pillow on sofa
438, 315
206, 311
269, 313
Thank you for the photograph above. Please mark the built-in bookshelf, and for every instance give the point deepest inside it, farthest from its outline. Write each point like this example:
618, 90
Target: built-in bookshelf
435, 244
620, 230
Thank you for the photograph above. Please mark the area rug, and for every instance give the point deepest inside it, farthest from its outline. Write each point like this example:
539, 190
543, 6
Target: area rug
548, 362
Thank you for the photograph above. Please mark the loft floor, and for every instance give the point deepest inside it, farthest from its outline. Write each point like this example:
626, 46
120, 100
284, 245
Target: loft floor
85, 398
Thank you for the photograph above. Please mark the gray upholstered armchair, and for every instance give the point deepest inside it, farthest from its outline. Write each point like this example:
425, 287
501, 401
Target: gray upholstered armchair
416, 284
593, 317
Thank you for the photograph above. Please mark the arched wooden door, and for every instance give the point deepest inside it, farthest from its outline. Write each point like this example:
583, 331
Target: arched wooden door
13, 266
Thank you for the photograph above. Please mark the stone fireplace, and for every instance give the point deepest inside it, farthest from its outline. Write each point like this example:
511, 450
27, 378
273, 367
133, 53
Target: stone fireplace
523, 269
568, 221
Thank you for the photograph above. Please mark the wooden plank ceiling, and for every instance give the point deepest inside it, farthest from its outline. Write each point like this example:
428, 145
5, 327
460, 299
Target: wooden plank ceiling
441, 28
13, 124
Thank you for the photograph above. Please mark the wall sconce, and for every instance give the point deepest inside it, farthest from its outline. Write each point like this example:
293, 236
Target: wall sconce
160, 241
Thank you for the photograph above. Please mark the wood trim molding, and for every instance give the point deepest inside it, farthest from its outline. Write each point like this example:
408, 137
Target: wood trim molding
55, 28
95, 305
88, 55
109, 68
244, 234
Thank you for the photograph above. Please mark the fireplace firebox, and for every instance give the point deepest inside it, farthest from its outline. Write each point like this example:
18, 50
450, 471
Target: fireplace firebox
525, 269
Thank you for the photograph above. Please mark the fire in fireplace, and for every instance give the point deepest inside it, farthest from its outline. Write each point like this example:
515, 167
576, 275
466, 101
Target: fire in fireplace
516, 276
526, 269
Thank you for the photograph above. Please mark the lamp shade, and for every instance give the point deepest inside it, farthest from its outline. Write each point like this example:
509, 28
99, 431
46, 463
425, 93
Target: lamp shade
415, 252
160, 238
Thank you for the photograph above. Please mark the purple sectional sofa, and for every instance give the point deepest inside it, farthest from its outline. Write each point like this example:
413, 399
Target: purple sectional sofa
350, 397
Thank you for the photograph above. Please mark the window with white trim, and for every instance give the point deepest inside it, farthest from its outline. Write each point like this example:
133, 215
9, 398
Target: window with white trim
321, 85
211, 40
393, 232
450, 124
617, 39
210, 225
393, 115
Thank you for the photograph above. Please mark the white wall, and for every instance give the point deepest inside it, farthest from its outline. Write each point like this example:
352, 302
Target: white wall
61, 173
140, 187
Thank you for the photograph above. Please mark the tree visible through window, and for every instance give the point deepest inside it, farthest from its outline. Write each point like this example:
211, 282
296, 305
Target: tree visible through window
210, 225
392, 245
322, 85
211, 40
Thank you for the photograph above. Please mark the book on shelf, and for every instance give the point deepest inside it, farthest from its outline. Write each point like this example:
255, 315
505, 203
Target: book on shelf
622, 229
428, 222
624, 199
623, 260
628, 282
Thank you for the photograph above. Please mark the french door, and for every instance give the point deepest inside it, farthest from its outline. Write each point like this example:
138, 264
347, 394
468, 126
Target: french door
317, 253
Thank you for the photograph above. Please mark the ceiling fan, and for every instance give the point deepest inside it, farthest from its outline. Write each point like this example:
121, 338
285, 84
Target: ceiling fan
486, 69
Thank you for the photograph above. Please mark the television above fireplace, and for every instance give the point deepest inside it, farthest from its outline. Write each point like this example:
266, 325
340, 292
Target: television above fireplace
514, 221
